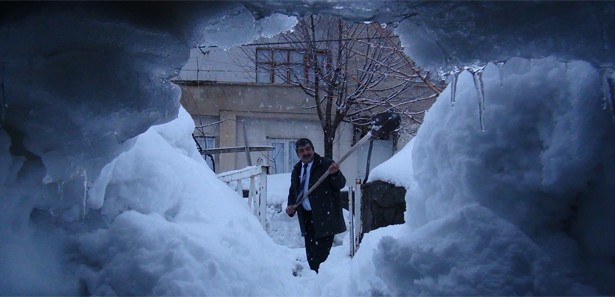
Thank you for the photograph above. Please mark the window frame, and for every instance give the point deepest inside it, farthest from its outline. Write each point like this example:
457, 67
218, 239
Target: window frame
288, 160
276, 65
204, 141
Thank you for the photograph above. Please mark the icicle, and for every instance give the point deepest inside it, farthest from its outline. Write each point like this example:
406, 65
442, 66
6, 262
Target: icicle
611, 82
477, 74
500, 65
605, 43
608, 82
605, 87
605, 39
85, 193
444, 74
4, 106
455, 73
61, 190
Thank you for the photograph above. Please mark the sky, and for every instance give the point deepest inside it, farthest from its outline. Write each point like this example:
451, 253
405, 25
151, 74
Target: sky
509, 180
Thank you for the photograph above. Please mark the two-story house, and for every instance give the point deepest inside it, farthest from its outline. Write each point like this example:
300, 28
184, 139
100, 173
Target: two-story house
235, 102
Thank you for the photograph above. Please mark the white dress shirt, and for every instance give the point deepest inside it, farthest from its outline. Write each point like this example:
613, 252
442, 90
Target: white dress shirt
306, 202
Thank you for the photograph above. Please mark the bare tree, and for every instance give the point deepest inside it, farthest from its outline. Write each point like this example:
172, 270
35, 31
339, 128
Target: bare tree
350, 70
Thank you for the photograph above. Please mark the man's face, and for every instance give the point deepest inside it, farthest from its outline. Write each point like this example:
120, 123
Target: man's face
305, 153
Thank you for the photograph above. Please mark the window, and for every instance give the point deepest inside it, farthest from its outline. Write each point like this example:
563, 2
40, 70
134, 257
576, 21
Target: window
279, 65
296, 66
320, 59
283, 157
264, 66
207, 142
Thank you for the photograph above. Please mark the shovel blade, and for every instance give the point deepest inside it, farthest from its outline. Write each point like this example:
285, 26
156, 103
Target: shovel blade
385, 123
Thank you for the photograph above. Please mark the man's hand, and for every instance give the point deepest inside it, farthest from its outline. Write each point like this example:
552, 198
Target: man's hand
333, 168
290, 211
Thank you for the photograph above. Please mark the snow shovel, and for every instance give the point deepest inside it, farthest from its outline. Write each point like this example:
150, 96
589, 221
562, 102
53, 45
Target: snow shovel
382, 125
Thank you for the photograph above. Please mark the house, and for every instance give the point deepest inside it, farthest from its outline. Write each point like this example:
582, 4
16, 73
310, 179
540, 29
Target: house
238, 98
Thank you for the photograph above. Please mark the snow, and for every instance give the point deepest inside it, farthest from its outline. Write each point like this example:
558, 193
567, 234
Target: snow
481, 200
460, 34
520, 205
238, 26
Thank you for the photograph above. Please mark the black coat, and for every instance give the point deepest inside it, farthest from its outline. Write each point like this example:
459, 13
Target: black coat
325, 200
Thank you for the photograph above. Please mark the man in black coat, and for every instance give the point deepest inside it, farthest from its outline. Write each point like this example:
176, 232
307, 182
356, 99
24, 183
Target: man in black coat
320, 214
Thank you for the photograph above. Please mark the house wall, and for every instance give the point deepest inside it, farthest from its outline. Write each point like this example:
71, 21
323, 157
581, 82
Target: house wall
218, 90
267, 111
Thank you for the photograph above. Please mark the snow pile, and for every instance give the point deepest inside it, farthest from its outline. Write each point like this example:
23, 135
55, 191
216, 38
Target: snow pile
174, 229
511, 210
71, 102
80, 83
397, 170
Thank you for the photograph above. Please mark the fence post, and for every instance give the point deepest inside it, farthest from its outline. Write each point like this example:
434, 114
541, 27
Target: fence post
351, 220
253, 199
239, 188
262, 197
359, 225
354, 206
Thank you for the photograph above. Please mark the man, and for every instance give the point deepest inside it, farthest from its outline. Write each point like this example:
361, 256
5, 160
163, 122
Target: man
320, 214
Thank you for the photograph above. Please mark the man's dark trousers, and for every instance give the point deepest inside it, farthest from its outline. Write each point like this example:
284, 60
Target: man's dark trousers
317, 249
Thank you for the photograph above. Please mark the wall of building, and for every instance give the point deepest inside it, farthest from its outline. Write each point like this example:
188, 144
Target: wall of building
267, 111
222, 98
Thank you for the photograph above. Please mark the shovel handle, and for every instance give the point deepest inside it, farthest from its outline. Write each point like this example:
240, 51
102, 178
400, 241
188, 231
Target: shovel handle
324, 176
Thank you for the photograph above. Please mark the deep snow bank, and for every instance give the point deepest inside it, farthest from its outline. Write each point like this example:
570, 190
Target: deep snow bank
80, 83
521, 208
174, 228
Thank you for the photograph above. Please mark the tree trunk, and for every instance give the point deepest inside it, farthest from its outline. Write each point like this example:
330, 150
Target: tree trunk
329, 136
